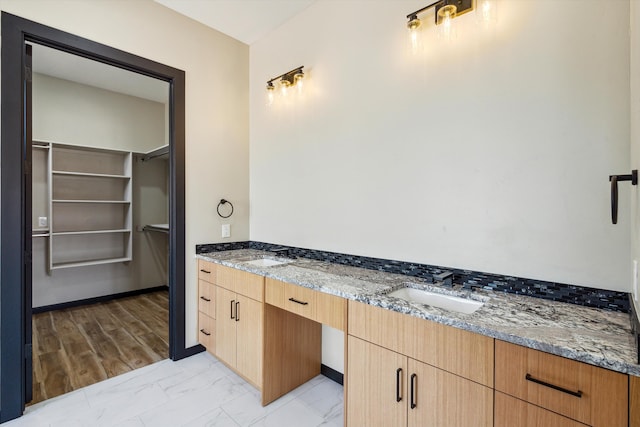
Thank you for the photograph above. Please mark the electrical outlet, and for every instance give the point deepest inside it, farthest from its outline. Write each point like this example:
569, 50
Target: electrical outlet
634, 290
226, 230
42, 221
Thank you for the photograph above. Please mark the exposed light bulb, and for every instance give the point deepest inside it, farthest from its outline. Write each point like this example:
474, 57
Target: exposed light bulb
486, 12
284, 87
445, 22
270, 94
414, 34
299, 83
299, 86
270, 97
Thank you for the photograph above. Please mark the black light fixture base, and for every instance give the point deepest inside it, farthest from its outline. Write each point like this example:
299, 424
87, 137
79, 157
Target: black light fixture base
462, 6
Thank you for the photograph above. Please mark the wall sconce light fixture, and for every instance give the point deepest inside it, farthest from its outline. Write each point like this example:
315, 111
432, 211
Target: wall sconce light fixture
287, 80
446, 11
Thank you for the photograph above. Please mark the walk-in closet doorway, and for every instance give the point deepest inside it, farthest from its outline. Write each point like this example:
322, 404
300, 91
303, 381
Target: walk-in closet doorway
100, 209
17, 220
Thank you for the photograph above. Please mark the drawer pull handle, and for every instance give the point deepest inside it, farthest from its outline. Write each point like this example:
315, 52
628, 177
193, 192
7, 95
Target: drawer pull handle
298, 302
398, 379
232, 316
237, 311
205, 299
205, 332
414, 377
205, 271
578, 393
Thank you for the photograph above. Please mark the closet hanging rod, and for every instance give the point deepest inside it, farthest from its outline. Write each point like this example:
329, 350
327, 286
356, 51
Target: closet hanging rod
161, 228
156, 153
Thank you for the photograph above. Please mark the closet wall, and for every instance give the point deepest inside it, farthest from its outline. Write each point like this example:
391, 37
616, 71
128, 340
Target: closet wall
75, 114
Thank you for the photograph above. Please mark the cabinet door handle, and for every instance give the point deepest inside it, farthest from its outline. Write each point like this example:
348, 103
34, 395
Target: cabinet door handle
237, 311
205, 271
205, 332
298, 302
205, 299
398, 380
414, 378
232, 301
578, 393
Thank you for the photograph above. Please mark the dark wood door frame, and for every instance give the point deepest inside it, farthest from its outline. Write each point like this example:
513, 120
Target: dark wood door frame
15, 256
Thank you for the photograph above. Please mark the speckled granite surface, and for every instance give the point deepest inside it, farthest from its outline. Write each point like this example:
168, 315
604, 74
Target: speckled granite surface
595, 336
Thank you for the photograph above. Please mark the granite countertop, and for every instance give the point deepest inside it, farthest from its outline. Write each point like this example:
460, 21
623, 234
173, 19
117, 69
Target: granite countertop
595, 336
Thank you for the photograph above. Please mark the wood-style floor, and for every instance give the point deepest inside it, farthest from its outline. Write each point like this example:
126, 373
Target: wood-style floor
76, 347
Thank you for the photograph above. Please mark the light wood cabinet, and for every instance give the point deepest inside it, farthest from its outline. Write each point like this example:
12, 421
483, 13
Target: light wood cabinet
206, 305
249, 339
317, 306
460, 352
381, 340
239, 322
634, 401
207, 271
512, 412
377, 386
390, 389
207, 298
207, 332
585, 393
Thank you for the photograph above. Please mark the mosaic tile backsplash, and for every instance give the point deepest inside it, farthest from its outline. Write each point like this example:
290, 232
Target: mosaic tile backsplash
589, 297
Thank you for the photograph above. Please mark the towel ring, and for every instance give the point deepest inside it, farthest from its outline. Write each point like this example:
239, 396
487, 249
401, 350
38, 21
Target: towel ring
224, 202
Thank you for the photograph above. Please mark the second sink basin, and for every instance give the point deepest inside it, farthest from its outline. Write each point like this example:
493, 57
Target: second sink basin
435, 299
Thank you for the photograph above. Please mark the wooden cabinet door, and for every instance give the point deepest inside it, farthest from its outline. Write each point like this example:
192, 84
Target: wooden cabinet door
376, 390
226, 325
437, 398
249, 339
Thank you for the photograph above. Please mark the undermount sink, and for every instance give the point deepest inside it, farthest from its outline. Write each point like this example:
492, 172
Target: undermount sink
267, 262
435, 299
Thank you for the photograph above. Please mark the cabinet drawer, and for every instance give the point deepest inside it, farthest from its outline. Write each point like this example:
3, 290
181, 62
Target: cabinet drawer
331, 310
300, 300
247, 284
206, 271
207, 298
207, 332
585, 393
274, 292
315, 305
512, 412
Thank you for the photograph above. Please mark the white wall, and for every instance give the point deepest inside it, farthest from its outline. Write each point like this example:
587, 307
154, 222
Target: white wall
73, 113
635, 131
493, 155
217, 135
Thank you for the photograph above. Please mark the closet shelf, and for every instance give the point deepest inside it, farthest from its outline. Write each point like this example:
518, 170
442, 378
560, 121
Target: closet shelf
97, 175
125, 202
56, 266
70, 233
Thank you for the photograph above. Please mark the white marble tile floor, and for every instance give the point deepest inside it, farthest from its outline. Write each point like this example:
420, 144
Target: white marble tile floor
193, 392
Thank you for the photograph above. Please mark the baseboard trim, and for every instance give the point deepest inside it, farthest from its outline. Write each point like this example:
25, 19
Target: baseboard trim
95, 300
188, 352
332, 374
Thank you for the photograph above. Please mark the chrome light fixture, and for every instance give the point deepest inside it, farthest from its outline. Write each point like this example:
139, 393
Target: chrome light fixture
289, 79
